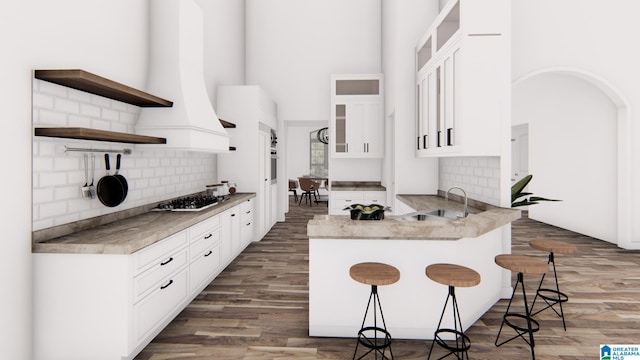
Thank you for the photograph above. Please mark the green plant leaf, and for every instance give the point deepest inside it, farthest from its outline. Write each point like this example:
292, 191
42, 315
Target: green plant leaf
517, 192
537, 198
516, 189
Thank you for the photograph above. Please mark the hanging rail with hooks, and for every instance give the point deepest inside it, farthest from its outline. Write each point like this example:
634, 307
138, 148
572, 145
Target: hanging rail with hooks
123, 151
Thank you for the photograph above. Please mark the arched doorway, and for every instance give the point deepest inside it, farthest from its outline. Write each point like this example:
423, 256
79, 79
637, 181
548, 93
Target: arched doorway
578, 150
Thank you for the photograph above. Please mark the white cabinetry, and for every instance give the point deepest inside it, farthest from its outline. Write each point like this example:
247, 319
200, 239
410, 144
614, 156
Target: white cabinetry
246, 223
357, 123
463, 80
339, 200
110, 306
206, 252
249, 166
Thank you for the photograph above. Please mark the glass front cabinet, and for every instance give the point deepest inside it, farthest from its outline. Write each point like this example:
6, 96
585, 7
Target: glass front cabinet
357, 122
462, 80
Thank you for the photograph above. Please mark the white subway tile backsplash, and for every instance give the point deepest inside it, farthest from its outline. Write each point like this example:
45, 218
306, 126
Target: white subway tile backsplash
67, 163
53, 209
41, 164
42, 101
51, 118
51, 88
153, 175
79, 96
42, 195
100, 101
52, 179
479, 176
66, 106
111, 115
89, 110
118, 105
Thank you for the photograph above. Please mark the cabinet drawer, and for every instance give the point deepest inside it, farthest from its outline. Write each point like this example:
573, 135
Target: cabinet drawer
204, 267
347, 196
160, 304
152, 277
158, 252
204, 243
246, 231
203, 227
246, 208
374, 197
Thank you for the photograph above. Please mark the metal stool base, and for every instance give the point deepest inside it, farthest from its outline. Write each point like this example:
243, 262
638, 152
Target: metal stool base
375, 344
462, 341
551, 297
532, 325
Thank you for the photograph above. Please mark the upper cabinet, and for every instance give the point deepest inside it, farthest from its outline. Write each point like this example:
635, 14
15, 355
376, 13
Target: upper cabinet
357, 123
463, 80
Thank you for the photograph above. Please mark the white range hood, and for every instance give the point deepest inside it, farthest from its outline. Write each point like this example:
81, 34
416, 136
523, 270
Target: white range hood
176, 72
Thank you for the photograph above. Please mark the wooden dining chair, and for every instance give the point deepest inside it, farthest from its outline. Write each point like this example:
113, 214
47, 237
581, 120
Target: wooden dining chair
308, 188
293, 187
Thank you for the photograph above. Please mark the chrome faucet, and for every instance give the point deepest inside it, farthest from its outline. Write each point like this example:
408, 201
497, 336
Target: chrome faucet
446, 196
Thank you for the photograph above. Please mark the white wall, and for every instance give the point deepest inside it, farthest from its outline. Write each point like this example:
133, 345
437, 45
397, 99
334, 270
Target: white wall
572, 153
403, 24
224, 50
588, 37
293, 46
108, 38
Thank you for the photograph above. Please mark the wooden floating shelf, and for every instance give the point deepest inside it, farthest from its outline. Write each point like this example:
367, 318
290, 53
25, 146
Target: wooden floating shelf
100, 135
226, 124
94, 84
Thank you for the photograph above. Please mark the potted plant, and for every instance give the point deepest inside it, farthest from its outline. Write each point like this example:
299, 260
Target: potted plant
517, 192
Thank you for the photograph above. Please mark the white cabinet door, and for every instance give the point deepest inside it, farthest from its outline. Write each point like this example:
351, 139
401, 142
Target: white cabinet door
463, 89
160, 304
357, 116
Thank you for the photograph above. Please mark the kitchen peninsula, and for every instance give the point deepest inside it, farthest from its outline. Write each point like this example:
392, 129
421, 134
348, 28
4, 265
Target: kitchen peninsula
411, 306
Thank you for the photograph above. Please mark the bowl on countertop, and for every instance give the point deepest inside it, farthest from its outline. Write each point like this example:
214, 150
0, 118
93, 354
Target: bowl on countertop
367, 212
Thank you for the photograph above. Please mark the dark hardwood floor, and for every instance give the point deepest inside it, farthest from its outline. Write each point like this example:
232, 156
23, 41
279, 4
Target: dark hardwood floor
257, 308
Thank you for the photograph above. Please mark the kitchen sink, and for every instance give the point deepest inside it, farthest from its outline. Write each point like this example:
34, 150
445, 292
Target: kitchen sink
437, 214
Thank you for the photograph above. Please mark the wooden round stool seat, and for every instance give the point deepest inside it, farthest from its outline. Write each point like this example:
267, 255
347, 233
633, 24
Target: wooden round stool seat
552, 246
453, 275
522, 264
372, 273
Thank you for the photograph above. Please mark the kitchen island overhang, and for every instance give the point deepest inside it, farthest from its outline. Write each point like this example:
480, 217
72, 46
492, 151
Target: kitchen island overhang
412, 306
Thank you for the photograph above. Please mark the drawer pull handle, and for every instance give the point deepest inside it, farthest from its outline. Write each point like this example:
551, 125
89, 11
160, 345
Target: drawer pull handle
233, 214
166, 262
248, 223
248, 212
166, 286
209, 253
208, 236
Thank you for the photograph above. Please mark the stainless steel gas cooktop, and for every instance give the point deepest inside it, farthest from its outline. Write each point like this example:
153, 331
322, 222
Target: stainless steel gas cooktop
188, 203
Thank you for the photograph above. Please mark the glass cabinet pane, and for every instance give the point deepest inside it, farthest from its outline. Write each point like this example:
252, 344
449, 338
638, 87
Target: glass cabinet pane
448, 26
424, 54
341, 128
358, 87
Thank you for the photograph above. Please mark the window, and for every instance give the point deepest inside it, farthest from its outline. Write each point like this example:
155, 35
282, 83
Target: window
318, 155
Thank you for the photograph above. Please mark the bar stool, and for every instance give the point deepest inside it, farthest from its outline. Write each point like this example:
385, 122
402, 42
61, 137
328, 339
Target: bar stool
452, 276
374, 274
551, 296
523, 265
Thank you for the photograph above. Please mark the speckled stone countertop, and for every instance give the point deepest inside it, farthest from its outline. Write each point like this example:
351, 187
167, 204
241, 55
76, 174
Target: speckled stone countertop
128, 235
481, 220
357, 186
